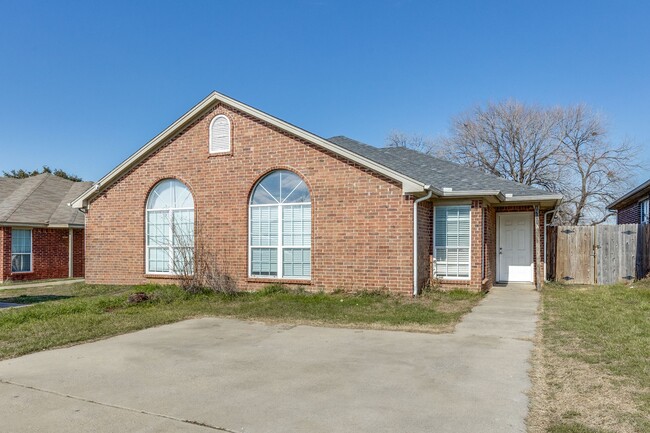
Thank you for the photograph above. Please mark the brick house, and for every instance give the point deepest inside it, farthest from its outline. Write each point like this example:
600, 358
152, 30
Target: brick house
276, 203
634, 206
41, 236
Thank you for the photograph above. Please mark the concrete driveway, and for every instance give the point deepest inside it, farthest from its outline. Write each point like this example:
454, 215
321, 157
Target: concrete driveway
227, 375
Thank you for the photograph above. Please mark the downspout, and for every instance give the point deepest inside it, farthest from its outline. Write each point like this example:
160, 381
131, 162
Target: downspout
70, 253
415, 237
546, 237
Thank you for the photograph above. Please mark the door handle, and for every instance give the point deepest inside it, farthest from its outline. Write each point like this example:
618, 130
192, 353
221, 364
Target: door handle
500, 250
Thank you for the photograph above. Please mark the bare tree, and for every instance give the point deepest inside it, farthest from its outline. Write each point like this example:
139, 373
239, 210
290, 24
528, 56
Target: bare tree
594, 170
418, 142
559, 149
508, 139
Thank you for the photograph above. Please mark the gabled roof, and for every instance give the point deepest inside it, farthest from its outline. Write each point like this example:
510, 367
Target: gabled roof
632, 196
394, 164
450, 178
40, 201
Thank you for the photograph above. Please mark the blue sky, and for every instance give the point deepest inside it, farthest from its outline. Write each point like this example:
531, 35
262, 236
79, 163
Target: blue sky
84, 84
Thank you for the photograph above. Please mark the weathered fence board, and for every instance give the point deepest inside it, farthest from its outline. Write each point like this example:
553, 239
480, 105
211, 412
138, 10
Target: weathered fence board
575, 260
616, 251
604, 254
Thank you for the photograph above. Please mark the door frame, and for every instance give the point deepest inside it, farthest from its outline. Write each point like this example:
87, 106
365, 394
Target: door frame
498, 244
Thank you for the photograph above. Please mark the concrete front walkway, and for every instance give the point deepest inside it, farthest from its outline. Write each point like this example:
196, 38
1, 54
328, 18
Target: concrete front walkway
36, 283
228, 375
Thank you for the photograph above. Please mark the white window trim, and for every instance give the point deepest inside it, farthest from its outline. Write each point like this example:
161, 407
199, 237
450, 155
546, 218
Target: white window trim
643, 202
171, 244
220, 152
469, 276
280, 247
31, 249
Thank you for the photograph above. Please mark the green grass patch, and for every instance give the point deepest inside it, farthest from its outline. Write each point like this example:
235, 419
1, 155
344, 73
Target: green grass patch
608, 329
63, 315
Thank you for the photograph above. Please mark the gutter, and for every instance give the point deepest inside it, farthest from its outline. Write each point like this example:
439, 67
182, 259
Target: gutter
415, 237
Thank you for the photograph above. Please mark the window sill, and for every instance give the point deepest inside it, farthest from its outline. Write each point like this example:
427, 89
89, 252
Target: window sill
21, 272
447, 280
217, 154
279, 281
163, 276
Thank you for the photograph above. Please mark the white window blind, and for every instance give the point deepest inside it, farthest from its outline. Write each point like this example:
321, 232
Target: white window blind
220, 134
452, 241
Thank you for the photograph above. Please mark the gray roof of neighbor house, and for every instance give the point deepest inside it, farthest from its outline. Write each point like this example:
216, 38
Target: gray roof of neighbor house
637, 193
40, 201
436, 172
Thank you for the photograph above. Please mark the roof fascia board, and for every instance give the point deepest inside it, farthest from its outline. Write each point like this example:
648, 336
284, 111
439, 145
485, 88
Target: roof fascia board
409, 185
544, 197
42, 226
630, 195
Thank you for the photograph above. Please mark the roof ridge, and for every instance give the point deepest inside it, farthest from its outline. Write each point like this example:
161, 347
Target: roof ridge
36, 185
70, 185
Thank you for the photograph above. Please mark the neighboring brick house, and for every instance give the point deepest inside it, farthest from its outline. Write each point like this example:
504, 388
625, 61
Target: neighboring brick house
41, 236
275, 203
634, 206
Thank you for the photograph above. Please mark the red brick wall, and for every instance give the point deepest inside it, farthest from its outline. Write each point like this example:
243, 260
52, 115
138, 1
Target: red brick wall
79, 249
629, 215
361, 222
490, 246
425, 242
3, 256
49, 254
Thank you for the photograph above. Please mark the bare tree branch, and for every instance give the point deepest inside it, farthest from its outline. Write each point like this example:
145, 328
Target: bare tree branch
559, 149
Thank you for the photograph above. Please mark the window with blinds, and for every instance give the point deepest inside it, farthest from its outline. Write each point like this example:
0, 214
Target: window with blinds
452, 241
220, 134
280, 227
644, 208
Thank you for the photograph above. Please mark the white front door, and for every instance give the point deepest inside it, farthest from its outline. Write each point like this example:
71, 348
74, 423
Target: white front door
515, 247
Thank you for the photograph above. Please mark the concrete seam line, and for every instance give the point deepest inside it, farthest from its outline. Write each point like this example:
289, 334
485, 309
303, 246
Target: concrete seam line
114, 406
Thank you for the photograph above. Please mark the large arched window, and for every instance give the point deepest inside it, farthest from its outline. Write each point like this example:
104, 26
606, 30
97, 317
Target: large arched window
170, 229
280, 227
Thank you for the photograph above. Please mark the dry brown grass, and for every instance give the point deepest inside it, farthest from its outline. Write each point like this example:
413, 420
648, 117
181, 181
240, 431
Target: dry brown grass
568, 393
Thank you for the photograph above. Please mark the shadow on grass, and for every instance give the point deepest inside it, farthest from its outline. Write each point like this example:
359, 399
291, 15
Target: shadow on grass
33, 299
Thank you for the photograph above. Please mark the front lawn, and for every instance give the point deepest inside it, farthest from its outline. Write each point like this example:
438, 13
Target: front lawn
591, 367
64, 315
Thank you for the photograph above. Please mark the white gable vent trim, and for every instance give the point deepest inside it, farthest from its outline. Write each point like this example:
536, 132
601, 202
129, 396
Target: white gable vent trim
220, 134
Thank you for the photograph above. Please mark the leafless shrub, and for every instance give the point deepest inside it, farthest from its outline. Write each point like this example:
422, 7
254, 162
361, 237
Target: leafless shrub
195, 264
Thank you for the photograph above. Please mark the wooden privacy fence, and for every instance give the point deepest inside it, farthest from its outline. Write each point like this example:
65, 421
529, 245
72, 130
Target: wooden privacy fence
604, 254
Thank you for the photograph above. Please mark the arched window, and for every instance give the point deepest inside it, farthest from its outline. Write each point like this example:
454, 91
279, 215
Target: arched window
170, 229
280, 227
220, 134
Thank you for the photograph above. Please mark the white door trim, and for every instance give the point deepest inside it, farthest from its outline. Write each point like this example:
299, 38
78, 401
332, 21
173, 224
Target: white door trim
529, 214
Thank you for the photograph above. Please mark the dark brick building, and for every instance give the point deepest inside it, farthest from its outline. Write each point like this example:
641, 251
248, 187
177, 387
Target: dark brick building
633, 207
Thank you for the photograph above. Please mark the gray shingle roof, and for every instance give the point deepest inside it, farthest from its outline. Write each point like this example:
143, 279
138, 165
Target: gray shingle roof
435, 171
40, 200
